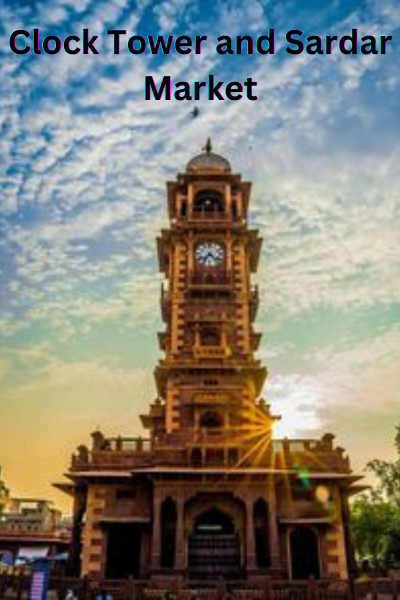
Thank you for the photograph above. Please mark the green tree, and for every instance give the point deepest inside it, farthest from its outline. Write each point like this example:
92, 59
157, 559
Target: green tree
375, 525
388, 473
375, 516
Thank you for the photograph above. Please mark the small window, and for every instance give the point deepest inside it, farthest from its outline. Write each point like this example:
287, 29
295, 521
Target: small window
211, 420
210, 337
208, 201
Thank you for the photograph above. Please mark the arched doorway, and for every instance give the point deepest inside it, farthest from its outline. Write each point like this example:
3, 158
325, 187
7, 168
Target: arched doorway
304, 553
261, 538
213, 546
168, 533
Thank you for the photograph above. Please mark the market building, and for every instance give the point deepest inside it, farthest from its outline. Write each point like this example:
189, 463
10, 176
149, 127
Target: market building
31, 528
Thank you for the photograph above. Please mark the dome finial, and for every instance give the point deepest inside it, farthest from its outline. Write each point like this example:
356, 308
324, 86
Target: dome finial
208, 146
208, 161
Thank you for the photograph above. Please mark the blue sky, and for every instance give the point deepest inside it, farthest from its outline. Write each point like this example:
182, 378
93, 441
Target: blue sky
83, 164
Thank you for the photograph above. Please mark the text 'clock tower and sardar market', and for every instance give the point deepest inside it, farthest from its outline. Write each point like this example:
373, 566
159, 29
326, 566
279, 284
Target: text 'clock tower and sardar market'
209, 494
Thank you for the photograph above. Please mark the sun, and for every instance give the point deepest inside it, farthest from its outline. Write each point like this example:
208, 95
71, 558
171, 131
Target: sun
294, 422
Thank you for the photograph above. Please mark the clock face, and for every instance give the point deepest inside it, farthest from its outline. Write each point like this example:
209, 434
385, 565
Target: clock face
209, 254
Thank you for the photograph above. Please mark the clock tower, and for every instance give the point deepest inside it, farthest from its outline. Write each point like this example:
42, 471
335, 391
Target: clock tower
209, 377
209, 494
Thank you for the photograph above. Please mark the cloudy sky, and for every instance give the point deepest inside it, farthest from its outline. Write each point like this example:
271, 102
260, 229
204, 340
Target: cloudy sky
83, 164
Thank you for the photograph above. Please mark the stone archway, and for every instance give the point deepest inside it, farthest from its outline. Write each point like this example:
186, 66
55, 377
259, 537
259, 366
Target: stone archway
214, 540
304, 553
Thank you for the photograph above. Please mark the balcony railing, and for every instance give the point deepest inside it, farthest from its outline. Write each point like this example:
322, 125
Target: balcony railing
210, 279
213, 216
40, 533
114, 453
294, 455
209, 352
318, 455
209, 215
136, 444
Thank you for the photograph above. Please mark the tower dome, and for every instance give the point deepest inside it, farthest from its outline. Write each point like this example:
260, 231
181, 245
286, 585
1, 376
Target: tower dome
208, 161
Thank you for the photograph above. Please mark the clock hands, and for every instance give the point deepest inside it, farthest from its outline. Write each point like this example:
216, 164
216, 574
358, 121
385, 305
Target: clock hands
210, 259
209, 254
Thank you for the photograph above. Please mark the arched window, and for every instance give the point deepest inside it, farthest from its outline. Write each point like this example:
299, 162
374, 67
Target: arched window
210, 336
168, 533
261, 538
208, 201
211, 420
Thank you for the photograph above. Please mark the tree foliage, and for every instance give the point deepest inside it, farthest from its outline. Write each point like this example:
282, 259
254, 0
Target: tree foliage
375, 524
388, 473
375, 516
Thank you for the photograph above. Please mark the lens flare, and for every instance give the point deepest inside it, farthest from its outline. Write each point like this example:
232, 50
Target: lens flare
322, 494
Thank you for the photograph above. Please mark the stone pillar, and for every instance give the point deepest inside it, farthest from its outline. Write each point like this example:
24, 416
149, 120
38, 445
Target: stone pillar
180, 554
228, 199
250, 542
347, 563
75, 549
229, 250
190, 250
93, 555
156, 536
190, 198
273, 529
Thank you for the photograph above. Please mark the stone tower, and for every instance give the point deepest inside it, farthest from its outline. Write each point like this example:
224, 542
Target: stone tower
209, 493
209, 379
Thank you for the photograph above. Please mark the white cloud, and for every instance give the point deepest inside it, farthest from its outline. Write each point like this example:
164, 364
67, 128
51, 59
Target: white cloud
85, 158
